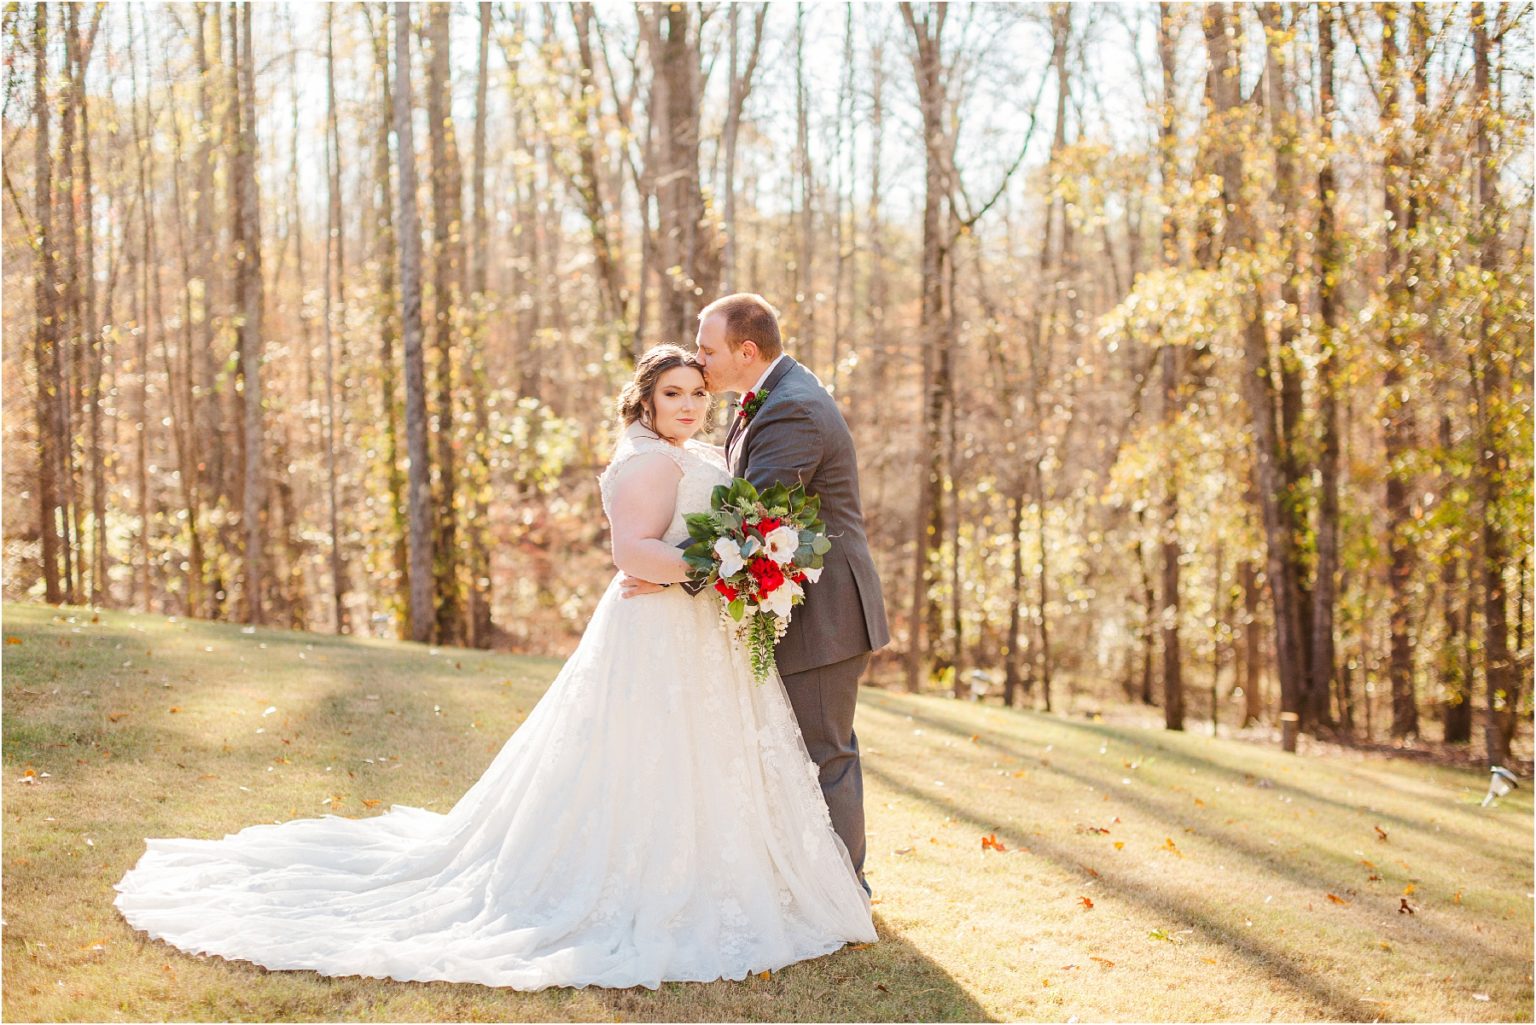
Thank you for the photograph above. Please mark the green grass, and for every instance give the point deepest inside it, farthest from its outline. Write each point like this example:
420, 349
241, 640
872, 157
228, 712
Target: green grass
1209, 863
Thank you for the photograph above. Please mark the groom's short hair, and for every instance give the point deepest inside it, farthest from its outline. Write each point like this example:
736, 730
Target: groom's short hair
748, 317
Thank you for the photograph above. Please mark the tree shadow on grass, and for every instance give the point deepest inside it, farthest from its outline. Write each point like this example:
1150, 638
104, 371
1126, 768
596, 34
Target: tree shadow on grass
1004, 743
1268, 958
1175, 812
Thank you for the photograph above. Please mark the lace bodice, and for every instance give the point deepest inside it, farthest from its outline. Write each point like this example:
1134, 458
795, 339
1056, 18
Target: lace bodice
702, 465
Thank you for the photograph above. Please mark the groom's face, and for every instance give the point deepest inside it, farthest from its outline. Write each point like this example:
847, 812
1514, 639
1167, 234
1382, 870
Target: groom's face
724, 367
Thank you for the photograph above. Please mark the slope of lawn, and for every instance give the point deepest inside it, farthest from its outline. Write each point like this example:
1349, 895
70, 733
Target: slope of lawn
1125, 874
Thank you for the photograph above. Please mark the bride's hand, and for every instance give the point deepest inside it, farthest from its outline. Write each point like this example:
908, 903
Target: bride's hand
634, 587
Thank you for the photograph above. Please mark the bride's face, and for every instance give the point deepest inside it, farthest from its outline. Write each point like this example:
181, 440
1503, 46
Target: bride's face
679, 403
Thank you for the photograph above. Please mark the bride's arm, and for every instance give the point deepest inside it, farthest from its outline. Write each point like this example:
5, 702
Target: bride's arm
644, 499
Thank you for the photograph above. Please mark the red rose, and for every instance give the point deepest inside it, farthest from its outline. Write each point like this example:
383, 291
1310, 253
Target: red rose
768, 524
798, 578
726, 589
767, 573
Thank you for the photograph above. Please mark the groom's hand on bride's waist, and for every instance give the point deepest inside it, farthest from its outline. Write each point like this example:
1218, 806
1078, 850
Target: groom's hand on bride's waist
634, 587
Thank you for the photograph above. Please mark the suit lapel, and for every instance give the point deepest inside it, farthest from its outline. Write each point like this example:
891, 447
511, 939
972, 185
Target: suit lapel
779, 373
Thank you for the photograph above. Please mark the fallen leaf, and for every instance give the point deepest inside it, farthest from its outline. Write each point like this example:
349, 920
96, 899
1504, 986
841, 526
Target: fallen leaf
1208, 960
175, 709
1119, 845
1406, 908
1456, 898
1408, 890
371, 804
116, 716
1160, 934
991, 842
1169, 845
1094, 872
1381, 834
1373, 878
858, 946
1103, 962
764, 975
13, 640
882, 987
1336, 899
1086, 903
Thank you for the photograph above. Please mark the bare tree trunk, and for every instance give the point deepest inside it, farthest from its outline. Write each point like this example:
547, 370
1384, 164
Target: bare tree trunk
145, 324
1259, 389
213, 467
877, 344
1501, 677
1396, 419
388, 313
606, 248
1330, 266
47, 327
90, 392
929, 73
447, 290
71, 320
739, 86
1172, 550
1149, 607
1011, 681
335, 277
842, 245
479, 612
804, 323
1293, 468
684, 244
250, 330
189, 474
423, 619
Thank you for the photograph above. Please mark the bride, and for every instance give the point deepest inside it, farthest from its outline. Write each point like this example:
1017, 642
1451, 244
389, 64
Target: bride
656, 817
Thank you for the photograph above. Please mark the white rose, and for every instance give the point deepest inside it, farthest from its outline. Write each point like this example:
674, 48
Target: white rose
781, 600
730, 557
781, 543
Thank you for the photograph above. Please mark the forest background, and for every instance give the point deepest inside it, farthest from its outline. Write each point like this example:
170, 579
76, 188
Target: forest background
1187, 348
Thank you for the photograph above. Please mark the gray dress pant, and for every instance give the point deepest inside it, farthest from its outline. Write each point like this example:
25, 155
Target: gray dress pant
823, 699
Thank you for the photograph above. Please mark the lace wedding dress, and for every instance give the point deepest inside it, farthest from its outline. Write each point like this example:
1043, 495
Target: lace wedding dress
655, 818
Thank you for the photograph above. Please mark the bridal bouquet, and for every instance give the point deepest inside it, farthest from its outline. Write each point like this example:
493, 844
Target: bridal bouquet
759, 551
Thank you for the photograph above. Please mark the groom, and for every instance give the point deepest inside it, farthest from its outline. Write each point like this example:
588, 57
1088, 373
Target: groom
788, 430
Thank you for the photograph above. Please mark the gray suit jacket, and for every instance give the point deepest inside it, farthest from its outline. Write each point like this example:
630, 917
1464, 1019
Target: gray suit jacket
799, 435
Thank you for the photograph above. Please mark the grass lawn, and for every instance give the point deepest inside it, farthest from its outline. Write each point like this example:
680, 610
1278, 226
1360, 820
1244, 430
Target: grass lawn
1136, 874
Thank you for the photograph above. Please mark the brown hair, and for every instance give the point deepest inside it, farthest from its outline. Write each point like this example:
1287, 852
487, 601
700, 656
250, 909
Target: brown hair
635, 401
748, 317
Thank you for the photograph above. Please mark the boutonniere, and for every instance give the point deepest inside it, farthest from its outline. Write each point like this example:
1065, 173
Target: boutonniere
751, 402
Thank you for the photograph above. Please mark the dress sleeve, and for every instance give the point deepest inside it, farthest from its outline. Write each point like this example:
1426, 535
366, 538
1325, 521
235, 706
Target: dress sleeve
642, 500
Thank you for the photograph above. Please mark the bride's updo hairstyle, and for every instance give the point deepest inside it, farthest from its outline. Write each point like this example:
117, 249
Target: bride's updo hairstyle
637, 400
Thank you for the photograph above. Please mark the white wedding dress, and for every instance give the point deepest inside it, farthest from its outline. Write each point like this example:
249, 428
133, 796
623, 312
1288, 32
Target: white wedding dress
655, 818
